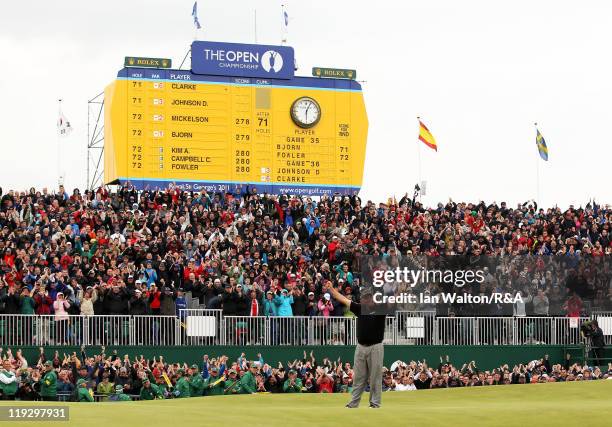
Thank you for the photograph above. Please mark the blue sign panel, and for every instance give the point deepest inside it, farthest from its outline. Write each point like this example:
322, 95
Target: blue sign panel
242, 60
173, 76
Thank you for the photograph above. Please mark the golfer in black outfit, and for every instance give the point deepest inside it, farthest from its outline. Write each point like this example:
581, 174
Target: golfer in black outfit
369, 353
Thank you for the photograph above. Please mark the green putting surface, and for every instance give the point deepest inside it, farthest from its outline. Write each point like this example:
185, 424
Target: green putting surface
561, 404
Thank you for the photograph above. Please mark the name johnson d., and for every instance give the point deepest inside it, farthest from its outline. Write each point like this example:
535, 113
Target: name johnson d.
189, 102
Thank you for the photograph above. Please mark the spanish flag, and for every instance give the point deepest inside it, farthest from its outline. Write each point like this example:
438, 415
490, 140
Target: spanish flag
426, 137
542, 147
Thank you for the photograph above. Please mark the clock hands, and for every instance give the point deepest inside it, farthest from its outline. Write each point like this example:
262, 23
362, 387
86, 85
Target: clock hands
300, 109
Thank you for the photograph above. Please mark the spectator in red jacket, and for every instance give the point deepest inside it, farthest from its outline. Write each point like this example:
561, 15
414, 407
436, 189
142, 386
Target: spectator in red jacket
325, 383
43, 301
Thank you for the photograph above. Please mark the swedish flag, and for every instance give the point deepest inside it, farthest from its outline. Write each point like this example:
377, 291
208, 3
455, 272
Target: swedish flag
542, 148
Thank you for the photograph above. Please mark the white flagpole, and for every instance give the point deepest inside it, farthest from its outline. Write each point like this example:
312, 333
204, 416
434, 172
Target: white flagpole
538, 179
255, 24
58, 139
537, 169
419, 152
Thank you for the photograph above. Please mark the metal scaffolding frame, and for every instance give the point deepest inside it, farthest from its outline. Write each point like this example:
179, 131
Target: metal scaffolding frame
95, 141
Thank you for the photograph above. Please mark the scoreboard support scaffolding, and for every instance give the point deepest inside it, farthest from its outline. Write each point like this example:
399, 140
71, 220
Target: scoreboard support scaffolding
95, 141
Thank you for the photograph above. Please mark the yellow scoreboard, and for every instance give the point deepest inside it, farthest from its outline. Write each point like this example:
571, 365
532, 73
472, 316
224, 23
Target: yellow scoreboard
301, 135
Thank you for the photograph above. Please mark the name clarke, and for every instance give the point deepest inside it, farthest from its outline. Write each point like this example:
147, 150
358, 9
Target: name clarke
281, 178
189, 86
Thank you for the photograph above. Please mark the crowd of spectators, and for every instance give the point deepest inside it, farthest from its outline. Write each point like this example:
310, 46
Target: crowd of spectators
103, 377
133, 253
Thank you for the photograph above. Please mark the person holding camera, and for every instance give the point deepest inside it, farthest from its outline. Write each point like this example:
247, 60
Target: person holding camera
592, 330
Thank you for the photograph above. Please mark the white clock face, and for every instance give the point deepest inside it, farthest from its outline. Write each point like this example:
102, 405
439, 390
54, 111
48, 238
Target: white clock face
305, 112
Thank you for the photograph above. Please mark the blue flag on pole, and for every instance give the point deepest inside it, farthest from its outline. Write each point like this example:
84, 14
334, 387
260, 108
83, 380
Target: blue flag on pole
194, 13
286, 18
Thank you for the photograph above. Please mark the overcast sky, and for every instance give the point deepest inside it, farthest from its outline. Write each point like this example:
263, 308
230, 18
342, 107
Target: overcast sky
479, 73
